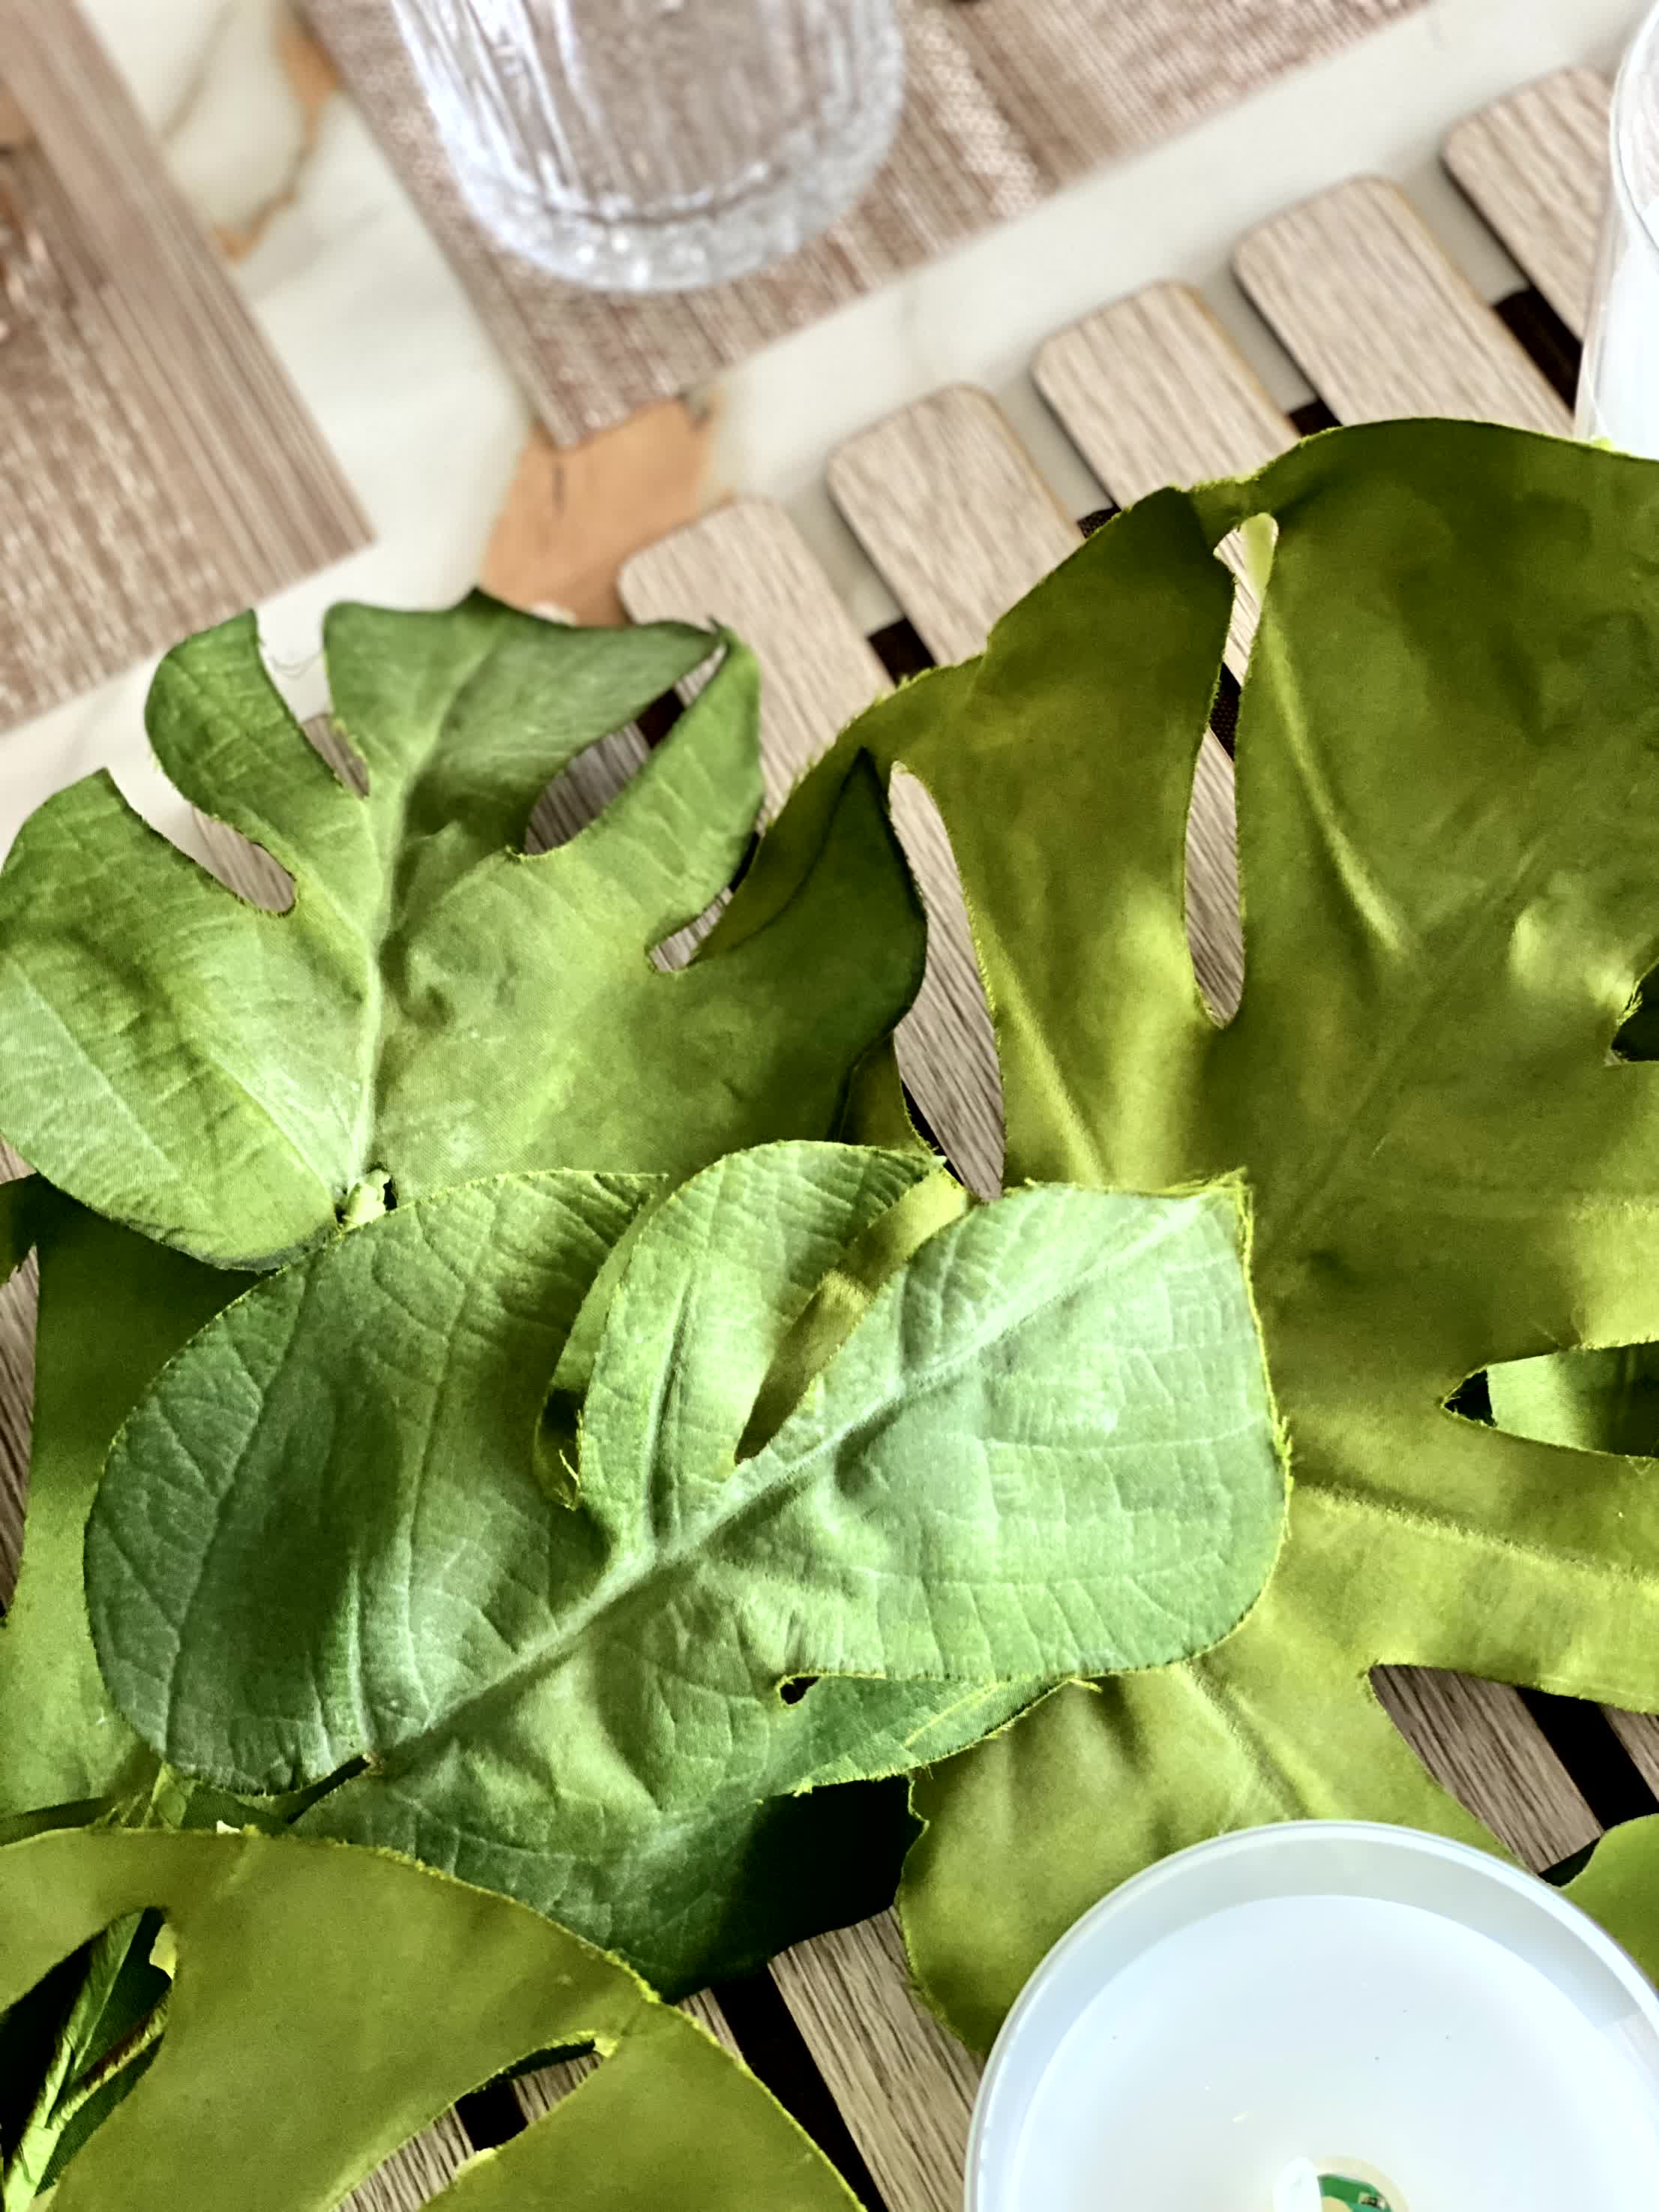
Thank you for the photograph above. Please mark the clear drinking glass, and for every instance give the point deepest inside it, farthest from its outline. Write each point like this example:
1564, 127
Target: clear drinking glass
1619, 389
655, 145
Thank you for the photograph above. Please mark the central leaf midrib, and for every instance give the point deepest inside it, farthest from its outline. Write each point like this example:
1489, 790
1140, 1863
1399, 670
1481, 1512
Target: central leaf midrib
396, 858
640, 1580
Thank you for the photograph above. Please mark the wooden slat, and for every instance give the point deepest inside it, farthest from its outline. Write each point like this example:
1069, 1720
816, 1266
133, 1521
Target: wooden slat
1479, 1741
953, 511
548, 2086
414, 2175
1154, 391
1639, 1734
1381, 321
904, 2088
1535, 164
745, 565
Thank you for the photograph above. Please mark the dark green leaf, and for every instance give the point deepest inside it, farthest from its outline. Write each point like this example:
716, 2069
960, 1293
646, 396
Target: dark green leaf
331, 2004
1449, 810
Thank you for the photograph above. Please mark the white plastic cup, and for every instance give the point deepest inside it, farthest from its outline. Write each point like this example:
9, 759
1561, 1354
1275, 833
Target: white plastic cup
1381, 2004
1618, 384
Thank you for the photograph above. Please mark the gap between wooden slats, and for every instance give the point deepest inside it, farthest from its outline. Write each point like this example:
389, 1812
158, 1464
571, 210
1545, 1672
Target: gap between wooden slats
1535, 165
1381, 321
745, 565
952, 509
538, 2092
1153, 390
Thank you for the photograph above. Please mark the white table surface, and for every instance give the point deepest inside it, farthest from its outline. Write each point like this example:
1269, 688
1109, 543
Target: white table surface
380, 339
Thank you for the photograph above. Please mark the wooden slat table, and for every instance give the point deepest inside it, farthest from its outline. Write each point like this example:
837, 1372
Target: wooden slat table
960, 521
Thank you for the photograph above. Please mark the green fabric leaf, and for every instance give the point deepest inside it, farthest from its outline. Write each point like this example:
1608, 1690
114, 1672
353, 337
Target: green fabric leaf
1448, 796
1620, 1888
358, 1554
113, 1308
1603, 1399
434, 1005
331, 2004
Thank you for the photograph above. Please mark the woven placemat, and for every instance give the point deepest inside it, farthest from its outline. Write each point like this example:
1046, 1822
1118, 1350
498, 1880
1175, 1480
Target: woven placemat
157, 469
1009, 100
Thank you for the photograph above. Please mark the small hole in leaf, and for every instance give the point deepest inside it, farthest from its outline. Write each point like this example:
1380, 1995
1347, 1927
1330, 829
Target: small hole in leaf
795, 1689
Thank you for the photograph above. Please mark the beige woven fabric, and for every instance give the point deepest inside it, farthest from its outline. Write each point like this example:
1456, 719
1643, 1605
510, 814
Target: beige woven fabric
157, 469
1009, 100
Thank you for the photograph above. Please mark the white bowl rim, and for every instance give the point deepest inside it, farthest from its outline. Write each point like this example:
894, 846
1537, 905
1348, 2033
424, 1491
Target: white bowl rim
1551, 1901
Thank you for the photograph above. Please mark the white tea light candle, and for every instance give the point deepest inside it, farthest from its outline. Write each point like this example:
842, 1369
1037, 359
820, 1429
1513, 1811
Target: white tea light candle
1385, 2014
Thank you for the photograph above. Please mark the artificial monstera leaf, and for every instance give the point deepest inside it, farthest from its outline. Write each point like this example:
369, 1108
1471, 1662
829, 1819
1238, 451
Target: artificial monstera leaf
330, 2003
340, 1527
435, 1003
1448, 802
113, 1308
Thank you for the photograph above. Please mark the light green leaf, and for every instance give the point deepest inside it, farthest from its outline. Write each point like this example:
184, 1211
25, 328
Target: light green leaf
113, 1308
1448, 801
1045, 1448
434, 1004
330, 2003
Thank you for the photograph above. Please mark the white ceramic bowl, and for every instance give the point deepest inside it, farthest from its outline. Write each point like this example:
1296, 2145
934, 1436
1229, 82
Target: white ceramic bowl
1389, 2006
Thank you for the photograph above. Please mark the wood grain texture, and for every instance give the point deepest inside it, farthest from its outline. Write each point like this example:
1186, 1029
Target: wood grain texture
1479, 1741
904, 2088
1381, 321
952, 510
745, 565
1535, 164
1639, 1734
538, 2092
414, 2175
157, 469
1154, 391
